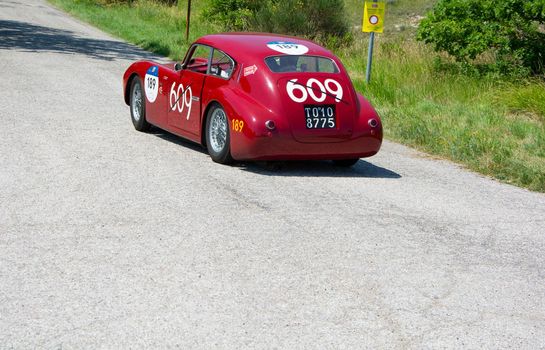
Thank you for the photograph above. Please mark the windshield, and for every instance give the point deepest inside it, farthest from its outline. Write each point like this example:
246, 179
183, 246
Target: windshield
293, 63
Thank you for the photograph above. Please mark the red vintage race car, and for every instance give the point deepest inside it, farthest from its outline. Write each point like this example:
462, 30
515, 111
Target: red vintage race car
256, 97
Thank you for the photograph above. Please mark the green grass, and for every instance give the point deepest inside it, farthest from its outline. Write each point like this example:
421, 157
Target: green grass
491, 124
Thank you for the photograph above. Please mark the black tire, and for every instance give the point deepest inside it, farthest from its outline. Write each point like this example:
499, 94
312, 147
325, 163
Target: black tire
218, 139
138, 106
345, 162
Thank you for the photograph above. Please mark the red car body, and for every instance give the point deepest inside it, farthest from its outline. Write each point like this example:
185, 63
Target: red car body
273, 114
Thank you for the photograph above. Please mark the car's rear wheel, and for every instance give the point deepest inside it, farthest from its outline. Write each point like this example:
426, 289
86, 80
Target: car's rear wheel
218, 139
345, 162
138, 106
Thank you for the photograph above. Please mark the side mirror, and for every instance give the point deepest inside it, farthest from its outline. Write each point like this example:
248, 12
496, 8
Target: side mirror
178, 66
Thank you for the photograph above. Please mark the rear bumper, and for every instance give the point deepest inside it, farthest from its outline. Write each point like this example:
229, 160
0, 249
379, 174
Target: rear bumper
275, 146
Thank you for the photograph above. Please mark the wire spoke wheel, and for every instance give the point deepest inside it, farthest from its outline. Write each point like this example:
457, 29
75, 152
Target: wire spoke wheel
138, 106
218, 130
137, 102
217, 135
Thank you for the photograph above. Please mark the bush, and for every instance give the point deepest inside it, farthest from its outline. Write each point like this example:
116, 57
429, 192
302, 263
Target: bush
321, 20
512, 30
130, 2
232, 15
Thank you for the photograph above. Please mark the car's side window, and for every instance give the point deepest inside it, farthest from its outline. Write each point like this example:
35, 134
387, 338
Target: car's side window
222, 65
198, 61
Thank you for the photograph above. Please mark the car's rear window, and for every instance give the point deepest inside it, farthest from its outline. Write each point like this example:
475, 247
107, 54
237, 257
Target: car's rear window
294, 63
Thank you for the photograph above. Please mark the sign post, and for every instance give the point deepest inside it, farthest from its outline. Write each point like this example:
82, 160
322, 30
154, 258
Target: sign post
373, 22
187, 20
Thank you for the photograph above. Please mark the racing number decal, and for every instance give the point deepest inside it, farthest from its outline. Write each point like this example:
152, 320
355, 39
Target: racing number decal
314, 89
237, 125
181, 98
151, 83
287, 47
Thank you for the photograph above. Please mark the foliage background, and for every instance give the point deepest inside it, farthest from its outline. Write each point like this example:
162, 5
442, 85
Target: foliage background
510, 31
322, 20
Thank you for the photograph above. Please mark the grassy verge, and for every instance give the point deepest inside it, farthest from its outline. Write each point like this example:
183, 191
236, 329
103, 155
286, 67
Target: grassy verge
493, 126
490, 124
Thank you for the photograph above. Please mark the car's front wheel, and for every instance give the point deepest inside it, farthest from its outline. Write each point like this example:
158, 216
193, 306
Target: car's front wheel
138, 106
217, 135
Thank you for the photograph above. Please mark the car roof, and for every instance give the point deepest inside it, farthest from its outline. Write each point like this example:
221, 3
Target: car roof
245, 47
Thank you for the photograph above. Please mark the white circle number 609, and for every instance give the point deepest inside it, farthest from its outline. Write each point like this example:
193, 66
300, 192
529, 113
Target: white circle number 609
315, 89
177, 101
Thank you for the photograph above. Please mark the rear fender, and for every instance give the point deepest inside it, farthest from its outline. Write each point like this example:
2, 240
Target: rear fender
247, 117
366, 113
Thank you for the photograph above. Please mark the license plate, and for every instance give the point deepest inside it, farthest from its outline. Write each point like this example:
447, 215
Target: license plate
320, 116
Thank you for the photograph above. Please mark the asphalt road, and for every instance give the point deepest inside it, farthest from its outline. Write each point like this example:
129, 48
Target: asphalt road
111, 238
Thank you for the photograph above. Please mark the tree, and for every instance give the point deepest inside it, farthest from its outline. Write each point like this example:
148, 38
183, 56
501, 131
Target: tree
511, 29
232, 15
321, 20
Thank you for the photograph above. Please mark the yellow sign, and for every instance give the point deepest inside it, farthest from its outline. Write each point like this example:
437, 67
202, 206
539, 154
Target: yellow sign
373, 16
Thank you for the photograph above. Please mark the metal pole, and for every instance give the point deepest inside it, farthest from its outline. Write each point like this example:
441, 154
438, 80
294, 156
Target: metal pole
370, 57
187, 20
